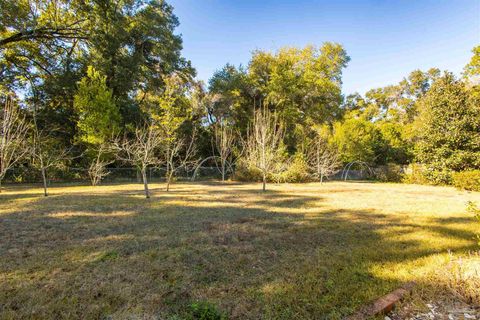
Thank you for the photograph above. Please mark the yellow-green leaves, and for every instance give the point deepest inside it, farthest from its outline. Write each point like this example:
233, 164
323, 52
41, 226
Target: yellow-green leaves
98, 115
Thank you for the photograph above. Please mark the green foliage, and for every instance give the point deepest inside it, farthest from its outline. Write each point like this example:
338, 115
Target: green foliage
91, 69
205, 311
398, 149
415, 174
302, 85
467, 180
390, 173
134, 44
475, 210
297, 170
46, 46
246, 172
170, 109
395, 103
230, 94
472, 69
359, 140
448, 130
98, 115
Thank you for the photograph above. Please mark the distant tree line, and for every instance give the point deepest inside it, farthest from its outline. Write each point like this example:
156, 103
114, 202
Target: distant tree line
100, 84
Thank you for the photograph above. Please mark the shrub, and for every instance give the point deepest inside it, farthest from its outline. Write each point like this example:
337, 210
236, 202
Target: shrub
467, 180
244, 172
297, 171
438, 176
390, 173
415, 174
205, 311
427, 174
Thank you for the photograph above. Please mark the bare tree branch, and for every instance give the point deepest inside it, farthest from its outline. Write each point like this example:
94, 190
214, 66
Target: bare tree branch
223, 145
97, 169
13, 136
177, 154
140, 150
262, 146
322, 159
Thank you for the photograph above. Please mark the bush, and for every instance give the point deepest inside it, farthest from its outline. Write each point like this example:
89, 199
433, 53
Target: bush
437, 176
244, 172
467, 180
205, 311
415, 174
297, 171
390, 173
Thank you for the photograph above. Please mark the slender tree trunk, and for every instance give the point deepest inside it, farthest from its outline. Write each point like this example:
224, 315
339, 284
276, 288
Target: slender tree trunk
321, 178
223, 171
145, 183
264, 182
318, 163
44, 178
169, 179
168, 168
1, 178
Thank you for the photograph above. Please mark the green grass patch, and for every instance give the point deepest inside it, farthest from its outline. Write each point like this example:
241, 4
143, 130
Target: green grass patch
297, 251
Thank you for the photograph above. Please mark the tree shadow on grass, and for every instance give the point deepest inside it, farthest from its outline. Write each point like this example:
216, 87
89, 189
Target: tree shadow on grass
254, 254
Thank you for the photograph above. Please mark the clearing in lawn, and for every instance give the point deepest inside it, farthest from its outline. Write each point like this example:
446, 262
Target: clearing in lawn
295, 251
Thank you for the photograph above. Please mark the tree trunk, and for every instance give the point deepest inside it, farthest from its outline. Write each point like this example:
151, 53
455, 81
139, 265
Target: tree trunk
264, 182
44, 178
169, 180
145, 183
318, 162
168, 183
167, 176
321, 178
223, 172
1, 184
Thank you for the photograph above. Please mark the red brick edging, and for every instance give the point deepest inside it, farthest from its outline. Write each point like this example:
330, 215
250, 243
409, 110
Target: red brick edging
382, 305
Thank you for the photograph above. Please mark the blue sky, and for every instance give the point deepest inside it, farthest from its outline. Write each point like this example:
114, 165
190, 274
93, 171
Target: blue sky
384, 39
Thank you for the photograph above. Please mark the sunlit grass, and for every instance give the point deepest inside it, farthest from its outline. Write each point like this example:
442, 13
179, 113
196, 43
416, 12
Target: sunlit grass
296, 251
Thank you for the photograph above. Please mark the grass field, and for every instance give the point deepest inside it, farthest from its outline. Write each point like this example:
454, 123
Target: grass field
296, 251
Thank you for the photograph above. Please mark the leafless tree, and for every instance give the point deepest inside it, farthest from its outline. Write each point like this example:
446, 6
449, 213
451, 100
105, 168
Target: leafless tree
45, 150
262, 148
322, 159
98, 167
14, 130
177, 153
46, 154
140, 151
224, 139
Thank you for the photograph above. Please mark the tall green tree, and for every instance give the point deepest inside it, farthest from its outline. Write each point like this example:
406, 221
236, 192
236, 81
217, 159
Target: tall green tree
98, 115
302, 85
232, 98
50, 44
448, 129
472, 69
359, 140
132, 42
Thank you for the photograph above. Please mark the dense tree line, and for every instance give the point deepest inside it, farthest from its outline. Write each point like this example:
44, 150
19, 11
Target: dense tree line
103, 83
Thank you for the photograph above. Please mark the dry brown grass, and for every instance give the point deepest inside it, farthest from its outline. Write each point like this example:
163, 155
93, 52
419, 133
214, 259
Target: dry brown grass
296, 251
